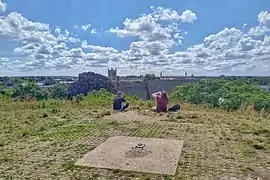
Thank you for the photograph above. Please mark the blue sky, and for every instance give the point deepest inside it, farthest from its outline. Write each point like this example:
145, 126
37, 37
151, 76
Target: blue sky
203, 37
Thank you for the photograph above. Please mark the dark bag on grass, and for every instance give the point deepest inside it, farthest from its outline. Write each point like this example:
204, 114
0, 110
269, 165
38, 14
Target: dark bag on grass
174, 108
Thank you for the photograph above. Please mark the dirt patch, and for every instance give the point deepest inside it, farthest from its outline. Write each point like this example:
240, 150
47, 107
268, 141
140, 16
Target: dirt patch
137, 116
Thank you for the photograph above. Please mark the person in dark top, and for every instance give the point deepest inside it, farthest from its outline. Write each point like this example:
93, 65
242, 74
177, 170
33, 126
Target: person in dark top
117, 102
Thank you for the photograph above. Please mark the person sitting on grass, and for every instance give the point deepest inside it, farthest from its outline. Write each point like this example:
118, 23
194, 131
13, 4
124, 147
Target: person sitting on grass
118, 100
162, 100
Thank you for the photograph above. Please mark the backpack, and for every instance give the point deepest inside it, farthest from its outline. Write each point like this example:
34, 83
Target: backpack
174, 108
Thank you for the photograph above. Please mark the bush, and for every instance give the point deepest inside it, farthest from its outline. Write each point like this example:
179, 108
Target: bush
103, 97
29, 91
99, 98
223, 93
59, 91
80, 97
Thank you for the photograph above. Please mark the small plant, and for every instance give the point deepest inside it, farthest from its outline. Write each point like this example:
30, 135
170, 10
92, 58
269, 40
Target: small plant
68, 165
259, 147
55, 110
80, 97
44, 115
105, 113
179, 116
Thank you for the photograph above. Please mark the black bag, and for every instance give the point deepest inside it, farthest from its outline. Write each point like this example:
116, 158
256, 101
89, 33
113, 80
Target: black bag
174, 108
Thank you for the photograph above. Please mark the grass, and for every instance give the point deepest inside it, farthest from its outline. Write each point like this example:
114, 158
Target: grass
43, 140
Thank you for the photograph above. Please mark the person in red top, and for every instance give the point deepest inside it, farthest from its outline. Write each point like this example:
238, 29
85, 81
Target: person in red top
162, 100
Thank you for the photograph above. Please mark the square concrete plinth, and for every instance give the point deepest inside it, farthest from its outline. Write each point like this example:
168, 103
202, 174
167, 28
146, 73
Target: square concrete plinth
149, 155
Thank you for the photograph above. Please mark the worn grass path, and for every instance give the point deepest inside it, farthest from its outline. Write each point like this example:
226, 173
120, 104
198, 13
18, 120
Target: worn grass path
45, 143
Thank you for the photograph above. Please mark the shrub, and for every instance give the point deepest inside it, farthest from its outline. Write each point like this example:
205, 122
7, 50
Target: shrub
80, 97
233, 93
59, 91
29, 91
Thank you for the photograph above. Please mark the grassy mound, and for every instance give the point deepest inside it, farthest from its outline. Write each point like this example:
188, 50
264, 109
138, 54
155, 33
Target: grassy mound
43, 139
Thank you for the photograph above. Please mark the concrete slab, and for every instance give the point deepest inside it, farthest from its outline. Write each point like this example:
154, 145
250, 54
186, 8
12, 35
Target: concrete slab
148, 155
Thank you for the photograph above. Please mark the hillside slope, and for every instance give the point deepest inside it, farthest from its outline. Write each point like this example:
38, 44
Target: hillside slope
42, 141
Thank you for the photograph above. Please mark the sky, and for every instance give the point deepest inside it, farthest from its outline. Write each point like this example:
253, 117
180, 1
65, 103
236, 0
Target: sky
200, 37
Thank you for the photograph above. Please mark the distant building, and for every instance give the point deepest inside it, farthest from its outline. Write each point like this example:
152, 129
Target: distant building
120, 81
175, 77
112, 74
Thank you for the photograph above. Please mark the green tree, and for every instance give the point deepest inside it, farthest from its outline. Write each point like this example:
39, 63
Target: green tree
150, 76
80, 97
30, 90
49, 81
234, 92
59, 91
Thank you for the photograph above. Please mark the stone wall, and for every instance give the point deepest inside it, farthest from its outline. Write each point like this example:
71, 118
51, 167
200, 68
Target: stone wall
137, 89
145, 89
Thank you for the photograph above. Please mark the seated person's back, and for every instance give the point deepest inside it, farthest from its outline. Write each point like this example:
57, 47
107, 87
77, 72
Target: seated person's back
118, 100
161, 103
162, 100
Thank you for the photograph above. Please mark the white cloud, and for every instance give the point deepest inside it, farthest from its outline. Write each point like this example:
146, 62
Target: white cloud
263, 26
154, 38
188, 16
74, 52
140, 26
85, 45
93, 31
57, 31
86, 27
147, 27
36, 41
61, 46
74, 40
158, 35
264, 18
3, 7
17, 27
166, 14
6, 63
26, 49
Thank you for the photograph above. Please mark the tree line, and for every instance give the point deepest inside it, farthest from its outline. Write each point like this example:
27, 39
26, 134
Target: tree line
32, 91
224, 93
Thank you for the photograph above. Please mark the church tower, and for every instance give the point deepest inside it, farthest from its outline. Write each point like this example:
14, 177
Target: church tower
112, 74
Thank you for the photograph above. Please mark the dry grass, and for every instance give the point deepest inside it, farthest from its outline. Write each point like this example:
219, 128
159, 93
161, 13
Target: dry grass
44, 143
